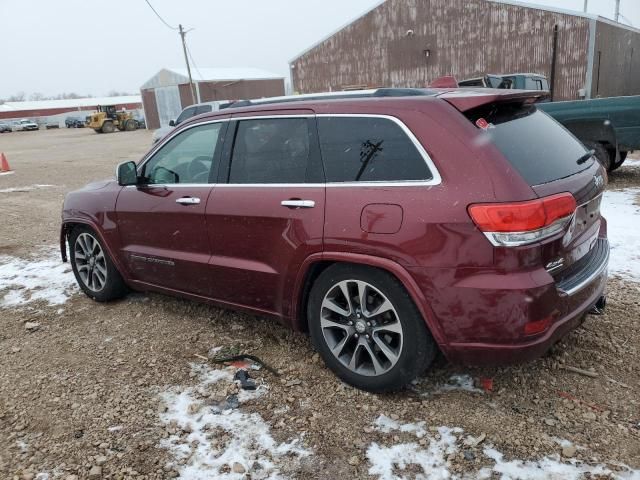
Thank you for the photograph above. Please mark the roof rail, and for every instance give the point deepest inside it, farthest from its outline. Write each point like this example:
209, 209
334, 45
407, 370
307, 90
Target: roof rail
372, 93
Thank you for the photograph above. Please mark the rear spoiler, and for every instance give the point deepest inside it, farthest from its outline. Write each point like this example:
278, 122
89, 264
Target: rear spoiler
468, 99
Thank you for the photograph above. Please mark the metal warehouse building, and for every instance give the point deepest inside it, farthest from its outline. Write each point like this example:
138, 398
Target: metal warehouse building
168, 92
47, 111
408, 43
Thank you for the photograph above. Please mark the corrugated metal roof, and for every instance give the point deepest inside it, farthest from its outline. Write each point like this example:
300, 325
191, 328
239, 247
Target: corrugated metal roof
69, 103
175, 76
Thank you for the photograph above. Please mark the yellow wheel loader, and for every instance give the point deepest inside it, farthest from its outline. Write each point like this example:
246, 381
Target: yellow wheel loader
107, 119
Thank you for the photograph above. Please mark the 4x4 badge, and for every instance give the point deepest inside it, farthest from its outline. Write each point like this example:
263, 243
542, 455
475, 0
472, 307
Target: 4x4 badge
598, 180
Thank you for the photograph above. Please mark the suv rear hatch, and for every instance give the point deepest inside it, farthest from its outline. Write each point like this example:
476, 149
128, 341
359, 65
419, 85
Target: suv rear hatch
554, 164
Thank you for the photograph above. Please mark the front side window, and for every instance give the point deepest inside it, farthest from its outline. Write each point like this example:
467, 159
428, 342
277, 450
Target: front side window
186, 158
270, 151
369, 149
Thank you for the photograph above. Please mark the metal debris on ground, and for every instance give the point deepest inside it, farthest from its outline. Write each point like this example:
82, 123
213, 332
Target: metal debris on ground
246, 382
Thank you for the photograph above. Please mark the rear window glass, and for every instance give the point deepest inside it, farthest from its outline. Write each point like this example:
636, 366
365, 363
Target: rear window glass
368, 149
537, 146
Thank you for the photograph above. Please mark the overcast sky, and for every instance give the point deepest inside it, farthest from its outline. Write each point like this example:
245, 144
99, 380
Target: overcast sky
94, 47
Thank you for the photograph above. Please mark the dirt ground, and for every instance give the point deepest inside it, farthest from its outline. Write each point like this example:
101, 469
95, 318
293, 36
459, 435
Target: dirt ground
80, 395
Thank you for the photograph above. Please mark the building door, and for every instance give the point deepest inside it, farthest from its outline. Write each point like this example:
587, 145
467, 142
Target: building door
169, 106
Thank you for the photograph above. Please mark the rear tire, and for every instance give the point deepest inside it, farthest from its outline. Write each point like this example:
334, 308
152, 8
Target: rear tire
623, 157
131, 125
95, 273
601, 154
107, 127
372, 351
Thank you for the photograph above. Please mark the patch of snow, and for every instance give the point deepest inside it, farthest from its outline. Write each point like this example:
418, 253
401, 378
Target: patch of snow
432, 459
44, 278
22, 445
10, 172
548, 469
623, 221
211, 443
389, 462
385, 424
631, 162
28, 188
461, 382
115, 428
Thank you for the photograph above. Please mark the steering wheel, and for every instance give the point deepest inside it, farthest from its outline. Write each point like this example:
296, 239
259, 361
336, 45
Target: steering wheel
198, 170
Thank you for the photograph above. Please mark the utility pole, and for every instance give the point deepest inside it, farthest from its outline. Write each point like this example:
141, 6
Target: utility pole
186, 59
617, 16
586, 5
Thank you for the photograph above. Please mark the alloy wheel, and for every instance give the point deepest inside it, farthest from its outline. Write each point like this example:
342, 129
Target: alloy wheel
90, 262
361, 327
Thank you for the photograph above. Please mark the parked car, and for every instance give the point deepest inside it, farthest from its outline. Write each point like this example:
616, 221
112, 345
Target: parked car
26, 124
74, 122
186, 114
5, 127
389, 224
142, 123
521, 81
609, 126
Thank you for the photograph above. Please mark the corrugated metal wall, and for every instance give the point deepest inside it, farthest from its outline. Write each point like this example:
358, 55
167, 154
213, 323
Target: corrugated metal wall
616, 65
240, 89
388, 46
150, 109
160, 109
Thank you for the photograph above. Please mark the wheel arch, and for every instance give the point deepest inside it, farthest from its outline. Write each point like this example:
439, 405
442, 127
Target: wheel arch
65, 230
317, 263
593, 130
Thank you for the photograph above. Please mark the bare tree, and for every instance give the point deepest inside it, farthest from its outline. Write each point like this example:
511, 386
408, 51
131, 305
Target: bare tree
18, 97
34, 97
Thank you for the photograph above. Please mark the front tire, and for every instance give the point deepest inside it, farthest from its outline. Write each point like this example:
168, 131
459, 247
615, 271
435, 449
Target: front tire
107, 127
95, 273
367, 328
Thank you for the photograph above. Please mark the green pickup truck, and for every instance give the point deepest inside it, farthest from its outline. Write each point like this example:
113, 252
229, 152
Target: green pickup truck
610, 126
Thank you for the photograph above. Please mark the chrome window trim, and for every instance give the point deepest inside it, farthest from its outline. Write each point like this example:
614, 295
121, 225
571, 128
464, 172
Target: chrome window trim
436, 180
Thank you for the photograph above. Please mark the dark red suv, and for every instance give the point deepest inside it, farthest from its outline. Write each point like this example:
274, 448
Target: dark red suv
388, 223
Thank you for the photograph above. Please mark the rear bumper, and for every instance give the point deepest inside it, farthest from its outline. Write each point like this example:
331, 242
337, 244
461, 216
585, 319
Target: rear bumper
504, 354
483, 316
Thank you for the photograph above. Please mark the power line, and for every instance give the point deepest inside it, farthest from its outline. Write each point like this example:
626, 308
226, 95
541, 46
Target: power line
158, 15
194, 62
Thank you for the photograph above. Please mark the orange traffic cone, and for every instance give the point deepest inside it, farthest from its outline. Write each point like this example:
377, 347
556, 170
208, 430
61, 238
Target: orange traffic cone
4, 164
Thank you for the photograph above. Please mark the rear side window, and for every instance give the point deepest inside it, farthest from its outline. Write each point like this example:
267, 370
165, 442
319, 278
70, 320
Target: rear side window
369, 149
539, 148
270, 151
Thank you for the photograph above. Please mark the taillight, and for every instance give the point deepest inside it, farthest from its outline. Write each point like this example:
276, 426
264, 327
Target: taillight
522, 223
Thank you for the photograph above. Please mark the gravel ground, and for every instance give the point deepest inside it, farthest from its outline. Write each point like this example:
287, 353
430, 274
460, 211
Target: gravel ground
117, 391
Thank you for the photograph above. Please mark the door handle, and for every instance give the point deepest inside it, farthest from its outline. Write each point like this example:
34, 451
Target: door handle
298, 203
188, 201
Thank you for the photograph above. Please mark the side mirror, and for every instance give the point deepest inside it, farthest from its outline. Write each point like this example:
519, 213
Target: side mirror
126, 174
172, 123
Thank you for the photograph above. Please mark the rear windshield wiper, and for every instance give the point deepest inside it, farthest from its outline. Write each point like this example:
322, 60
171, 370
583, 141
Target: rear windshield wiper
586, 157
